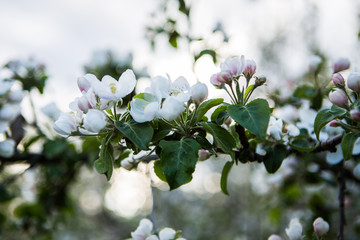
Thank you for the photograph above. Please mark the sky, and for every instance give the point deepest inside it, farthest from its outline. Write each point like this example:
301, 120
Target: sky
63, 34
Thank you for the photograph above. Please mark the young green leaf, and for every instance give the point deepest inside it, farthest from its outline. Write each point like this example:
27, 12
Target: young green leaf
205, 106
138, 133
224, 176
325, 116
274, 157
178, 160
254, 116
347, 144
104, 165
223, 138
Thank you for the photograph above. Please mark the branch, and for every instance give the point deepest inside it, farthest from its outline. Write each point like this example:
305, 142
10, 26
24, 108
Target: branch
329, 144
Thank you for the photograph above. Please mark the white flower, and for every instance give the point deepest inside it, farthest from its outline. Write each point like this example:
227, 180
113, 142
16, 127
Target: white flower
5, 86
294, 231
179, 89
274, 237
9, 112
144, 110
3, 126
199, 92
66, 124
167, 234
7, 148
163, 88
171, 108
16, 96
152, 237
143, 230
275, 128
110, 89
235, 66
292, 130
321, 227
94, 120
84, 84
127, 163
260, 149
51, 110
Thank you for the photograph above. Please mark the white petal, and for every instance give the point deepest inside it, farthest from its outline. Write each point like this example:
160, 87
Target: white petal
167, 234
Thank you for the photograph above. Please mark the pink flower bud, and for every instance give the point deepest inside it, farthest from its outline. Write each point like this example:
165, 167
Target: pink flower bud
338, 98
221, 78
203, 155
355, 115
321, 227
66, 124
333, 123
199, 92
353, 81
274, 237
235, 66
250, 68
340, 64
83, 84
338, 80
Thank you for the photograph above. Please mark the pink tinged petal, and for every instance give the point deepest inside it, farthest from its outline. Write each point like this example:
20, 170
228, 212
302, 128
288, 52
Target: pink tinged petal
199, 92
340, 64
353, 81
338, 98
127, 82
83, 84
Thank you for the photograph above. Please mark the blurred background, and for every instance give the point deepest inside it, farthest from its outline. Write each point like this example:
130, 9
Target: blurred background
178, 38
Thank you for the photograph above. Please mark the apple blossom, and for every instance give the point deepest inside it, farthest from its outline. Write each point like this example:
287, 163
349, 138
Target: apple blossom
94, 120
353, 81
321, 227
143, 230
144, 110
110, 89
338, 80
7, 148
9, 112
220, 79
3, 126
235, 65
250, 68
171, 108
51, 110
203, 155
5, 86
338, 98
355, 115
274, 237
199, 92
167, 234
340, 64
83, 83
294, 232
16, 96
292, 130
275, 128
66, 124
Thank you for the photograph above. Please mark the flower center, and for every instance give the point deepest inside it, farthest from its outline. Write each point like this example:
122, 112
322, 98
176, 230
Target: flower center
112, 87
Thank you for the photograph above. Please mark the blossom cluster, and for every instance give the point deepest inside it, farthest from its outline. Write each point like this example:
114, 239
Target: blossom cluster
11, 95
145, 232
87, 114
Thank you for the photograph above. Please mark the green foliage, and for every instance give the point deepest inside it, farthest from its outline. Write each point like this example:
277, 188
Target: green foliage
178, 160
325, 116
222, 138
104, 165
138, 133
205, 107
254, 116
224, 177
302, 144
274, 157
209, 52
220, 114
347, 144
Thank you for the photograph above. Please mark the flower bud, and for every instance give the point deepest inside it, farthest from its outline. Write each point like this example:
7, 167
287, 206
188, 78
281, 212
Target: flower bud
234, 66
203, 155
333, 123
9, 112
199, 92
355, 115
294, 231
260, 80
274, 237
338, 98
340, 64
321, 227
353, 81
250, 68
7, 148
83, 84
83, 103
338, 80
94, 120
66, 124
167, 234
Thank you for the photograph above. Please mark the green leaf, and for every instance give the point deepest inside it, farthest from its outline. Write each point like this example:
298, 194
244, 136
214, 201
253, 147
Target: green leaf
158, 171
220, 114
205, 144
254, 116
347, 144
178, 160
138, 133
223, 138
104, 165
302, 144
210, 52
224, 176
274, 157
305, 91
206, 106
173, 36
325, 116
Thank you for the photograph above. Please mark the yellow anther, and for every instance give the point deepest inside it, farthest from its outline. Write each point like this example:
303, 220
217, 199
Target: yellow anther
112, 87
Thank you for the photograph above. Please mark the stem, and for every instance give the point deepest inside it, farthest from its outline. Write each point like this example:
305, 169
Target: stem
232, 90
342, 187
232, 99
348, 96
115, 115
